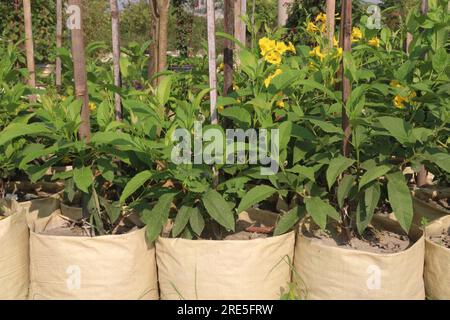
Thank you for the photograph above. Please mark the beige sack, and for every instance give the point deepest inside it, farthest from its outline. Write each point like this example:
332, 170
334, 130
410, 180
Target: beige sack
224, 269
104, 267
14, 260
437, 262
332, 273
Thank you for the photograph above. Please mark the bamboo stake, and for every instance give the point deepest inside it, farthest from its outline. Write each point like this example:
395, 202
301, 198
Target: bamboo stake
211, 20
240, 10
79, 66
115, 31
29, 47
228, 47
59, 29
331, 8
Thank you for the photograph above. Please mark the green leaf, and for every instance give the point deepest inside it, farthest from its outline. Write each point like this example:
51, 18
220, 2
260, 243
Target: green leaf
326, 126
181, 220
398, 128
320, 210
196, 221
344, 188
135, 183
288, 220
83, 178
156, 218
254, 196
372, 174
163, 90
308, 172
16, 130
442, 160
400, 199
239, 115
366, 207
336, 167
218, 209
439, 60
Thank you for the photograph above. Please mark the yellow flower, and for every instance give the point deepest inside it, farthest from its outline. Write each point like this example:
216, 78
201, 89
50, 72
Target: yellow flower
399, 102
269, 79
317, 53
395, 84
323, 28
322, 17
266, 45
339, 52
291, 48
335, 42
273, 57
281, 47
280, 104
356, 34
374, 42
92, 106
312, 27
221, 66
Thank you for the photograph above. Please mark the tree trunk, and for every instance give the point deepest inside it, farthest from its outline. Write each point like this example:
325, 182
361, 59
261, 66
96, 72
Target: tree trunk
331, 8
74, 11
115, 31
59, 29
29, 47
211, 20
283, 11
228, 47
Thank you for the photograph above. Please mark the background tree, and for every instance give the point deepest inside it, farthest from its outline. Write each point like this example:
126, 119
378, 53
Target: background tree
29, 46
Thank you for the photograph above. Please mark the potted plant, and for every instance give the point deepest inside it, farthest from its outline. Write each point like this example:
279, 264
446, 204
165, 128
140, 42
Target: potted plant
345, 248
77, 244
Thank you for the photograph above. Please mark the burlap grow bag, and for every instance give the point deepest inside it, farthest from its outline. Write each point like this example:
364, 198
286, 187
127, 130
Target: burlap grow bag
332, 273
437, 262
14, 261
224, 269
104, 267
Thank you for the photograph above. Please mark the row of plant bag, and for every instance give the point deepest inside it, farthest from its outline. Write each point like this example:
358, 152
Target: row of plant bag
81, 266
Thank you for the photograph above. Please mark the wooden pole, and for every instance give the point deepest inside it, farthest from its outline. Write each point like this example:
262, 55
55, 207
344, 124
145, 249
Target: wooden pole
228, 47
29, 47
115, 31
163, 29
345, 43
59, 29
331, 8
283, 14
79, 65
423, 172
211, 21
240, 10
154, 49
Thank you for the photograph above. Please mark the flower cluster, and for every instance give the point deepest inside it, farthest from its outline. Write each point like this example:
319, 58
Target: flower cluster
272, 50
319, 25
400, 100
